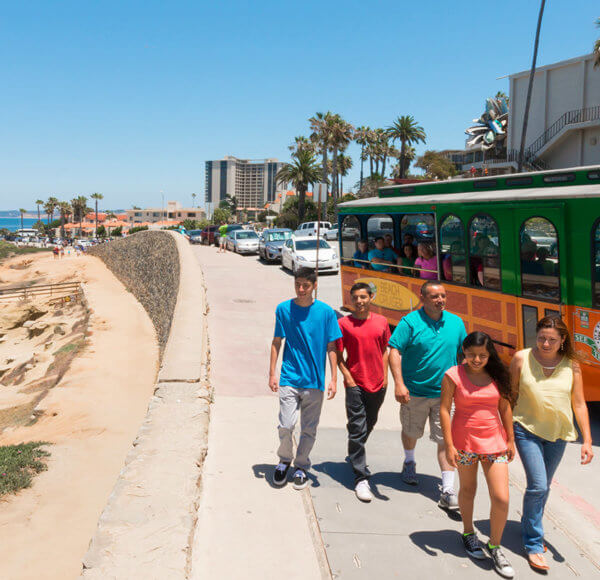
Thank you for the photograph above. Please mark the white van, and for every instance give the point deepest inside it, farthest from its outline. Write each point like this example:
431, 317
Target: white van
310, 229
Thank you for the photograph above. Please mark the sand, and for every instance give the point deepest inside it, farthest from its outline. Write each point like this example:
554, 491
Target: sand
91, 418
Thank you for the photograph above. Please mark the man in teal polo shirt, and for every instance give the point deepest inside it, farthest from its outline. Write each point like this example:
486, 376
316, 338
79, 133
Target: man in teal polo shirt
424, 346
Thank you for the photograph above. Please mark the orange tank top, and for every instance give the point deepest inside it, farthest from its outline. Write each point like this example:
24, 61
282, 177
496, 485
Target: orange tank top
476, 425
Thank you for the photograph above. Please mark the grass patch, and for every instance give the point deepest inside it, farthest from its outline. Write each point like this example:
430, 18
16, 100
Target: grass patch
19, 464
7, 249
73, 347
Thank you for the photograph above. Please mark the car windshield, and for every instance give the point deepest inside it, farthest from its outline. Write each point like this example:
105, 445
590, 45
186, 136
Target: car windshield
278, 236
246, 235
311, 245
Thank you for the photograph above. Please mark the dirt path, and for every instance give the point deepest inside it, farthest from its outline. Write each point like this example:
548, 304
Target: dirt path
91, 417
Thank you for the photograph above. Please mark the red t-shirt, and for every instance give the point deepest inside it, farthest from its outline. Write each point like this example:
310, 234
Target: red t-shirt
365, 342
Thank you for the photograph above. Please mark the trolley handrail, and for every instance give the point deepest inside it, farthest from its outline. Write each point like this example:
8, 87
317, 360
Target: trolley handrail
390, 265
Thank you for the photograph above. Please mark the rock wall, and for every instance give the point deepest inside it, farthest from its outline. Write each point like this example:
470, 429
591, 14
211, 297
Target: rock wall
147, 263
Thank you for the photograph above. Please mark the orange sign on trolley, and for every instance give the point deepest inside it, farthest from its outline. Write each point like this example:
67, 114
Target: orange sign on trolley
586, 335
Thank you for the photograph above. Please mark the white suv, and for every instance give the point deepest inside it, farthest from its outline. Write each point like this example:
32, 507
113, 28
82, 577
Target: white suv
310, 229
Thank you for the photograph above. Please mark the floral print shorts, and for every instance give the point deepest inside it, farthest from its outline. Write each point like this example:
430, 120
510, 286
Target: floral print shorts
468, 458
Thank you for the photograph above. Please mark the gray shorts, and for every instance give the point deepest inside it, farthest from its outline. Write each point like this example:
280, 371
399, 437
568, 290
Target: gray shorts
414, 415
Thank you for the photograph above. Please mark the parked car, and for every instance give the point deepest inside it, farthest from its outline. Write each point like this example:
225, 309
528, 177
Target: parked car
333, 233
208, 235
310, 229
243, 241
270, 243
195, 236
301, 252
230, 228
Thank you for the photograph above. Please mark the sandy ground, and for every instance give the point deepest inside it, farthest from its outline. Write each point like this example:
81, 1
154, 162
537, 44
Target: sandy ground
91, 418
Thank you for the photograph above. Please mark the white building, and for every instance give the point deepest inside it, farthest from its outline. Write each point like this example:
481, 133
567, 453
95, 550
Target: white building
252, 182
172, 211
564, 117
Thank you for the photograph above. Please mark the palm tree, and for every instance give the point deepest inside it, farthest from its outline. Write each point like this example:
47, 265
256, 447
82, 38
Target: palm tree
409, 132
409, 157
79, 205
22, 212
301, 143
341, 133
96, 197
344, 165
321, 137
65, 210
302, 172
530, 87
193, 200
361, 136
39, 202
597, 47
50, 206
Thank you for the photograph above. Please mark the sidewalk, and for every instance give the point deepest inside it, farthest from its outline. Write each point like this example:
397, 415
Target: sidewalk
249, 529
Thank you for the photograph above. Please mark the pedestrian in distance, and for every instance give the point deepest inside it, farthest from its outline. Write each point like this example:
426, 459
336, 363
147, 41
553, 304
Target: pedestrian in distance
222, 238
548, 387
480, 431
365, 337
310, 330
424, 345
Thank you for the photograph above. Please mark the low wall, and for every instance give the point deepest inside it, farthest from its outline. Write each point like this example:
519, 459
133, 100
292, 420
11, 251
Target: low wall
146, 529
147, 264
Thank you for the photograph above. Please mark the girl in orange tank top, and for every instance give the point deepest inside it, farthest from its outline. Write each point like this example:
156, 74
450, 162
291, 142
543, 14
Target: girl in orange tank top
480, 431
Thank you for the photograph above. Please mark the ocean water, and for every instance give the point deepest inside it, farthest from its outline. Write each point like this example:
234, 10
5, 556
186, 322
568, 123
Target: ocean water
14, 223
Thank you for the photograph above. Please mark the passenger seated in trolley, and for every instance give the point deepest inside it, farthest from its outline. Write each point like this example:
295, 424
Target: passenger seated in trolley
408, 259
362, 253
381, 257
388, 241
427, 260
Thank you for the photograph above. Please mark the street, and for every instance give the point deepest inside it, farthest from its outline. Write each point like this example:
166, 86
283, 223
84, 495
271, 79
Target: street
247, 527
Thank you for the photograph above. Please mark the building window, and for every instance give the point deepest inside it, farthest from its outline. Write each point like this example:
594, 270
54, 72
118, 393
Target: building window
484, 255
137, 214
191, 214
453, 253
539, 260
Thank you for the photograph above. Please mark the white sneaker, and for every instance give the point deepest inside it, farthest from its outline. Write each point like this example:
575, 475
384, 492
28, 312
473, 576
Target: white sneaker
363, 491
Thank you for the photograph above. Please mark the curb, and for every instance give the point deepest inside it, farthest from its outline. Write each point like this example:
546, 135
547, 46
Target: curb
146, 529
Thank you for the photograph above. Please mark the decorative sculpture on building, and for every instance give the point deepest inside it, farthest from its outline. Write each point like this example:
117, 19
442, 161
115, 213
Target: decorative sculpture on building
490, 131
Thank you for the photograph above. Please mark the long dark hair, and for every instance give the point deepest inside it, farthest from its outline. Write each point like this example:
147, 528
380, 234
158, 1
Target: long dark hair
494, 367
557, 323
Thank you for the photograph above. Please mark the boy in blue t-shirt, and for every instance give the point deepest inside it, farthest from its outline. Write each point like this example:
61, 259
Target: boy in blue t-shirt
310, 330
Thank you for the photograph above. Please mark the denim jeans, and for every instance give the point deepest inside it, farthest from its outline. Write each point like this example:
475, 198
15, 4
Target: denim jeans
540, 459
362, 409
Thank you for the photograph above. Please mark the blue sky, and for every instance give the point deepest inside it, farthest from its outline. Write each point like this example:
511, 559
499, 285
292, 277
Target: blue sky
131, 98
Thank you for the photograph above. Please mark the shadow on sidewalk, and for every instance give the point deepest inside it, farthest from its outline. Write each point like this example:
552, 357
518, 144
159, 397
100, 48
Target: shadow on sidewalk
434, 542
265, 471
511, 539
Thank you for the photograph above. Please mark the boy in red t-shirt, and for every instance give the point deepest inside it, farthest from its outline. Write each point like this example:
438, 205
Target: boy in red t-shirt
365, 336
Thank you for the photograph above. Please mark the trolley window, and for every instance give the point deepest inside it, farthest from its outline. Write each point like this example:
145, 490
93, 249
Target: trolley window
350, 237
484, 255
453, 251
417, 227
539, 260
596, 264
382, 254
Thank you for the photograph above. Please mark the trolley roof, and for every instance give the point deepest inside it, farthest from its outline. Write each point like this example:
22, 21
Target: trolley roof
528, 194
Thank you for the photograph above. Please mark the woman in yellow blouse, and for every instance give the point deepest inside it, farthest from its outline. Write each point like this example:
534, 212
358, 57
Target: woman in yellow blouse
547, 381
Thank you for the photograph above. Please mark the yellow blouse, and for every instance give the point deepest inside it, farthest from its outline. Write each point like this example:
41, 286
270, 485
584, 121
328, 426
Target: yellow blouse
544, 403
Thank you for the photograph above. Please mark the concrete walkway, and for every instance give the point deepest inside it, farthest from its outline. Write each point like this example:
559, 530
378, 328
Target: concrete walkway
249, 529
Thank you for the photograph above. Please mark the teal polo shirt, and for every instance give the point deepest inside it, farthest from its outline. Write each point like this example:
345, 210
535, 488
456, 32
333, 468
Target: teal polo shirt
429, 348
385, 254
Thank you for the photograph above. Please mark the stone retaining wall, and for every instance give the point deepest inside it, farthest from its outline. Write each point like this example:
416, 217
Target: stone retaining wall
147, 263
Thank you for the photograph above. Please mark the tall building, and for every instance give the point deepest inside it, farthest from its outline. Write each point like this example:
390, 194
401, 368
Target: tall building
252, 182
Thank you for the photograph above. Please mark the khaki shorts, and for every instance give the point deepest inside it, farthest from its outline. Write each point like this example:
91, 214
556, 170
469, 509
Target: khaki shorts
414, 415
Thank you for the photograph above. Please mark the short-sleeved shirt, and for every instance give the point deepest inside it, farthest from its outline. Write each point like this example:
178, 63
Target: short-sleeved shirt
307, 331
358, 255
365, 342
385, 254
223, 231
428, 264
429, 348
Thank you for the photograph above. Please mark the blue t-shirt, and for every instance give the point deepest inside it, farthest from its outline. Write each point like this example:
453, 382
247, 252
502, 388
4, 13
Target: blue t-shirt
429, 348
358, 255
307, 331
385, 254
